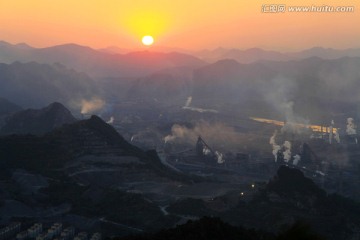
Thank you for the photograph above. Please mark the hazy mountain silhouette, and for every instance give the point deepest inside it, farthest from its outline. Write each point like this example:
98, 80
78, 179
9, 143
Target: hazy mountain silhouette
98, 63
314, 85
243, 56
117, 62
327, 53
35, 85
38, 122
7, 107
174, 82
256, 54
317, 87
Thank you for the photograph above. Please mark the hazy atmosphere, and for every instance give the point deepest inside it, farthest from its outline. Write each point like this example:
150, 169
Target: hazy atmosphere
193, 120
193, 25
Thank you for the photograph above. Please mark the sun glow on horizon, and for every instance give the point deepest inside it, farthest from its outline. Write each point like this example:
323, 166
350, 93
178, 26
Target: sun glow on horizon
176, 24
147, 40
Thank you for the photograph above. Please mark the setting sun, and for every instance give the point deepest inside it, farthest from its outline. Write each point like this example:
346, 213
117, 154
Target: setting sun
147, 40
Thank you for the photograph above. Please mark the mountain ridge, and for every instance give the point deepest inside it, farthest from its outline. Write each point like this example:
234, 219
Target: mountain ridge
37, 121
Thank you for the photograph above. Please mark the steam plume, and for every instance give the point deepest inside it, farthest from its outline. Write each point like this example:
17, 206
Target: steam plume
276, 147
350, 128
218, 135
297, 159
287, 151
219, 157
92, 105
111, 120
196, 109
188, 101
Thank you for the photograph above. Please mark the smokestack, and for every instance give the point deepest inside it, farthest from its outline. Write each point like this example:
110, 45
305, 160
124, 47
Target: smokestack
321, 130
331, 129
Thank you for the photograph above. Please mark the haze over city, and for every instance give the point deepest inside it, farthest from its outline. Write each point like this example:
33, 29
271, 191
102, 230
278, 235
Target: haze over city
196, 120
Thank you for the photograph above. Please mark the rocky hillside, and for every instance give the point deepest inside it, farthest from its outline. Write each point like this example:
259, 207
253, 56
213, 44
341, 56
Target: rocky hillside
37, 121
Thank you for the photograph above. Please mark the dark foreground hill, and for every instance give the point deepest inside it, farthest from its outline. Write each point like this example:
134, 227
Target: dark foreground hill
90, 171
215, 229
62, 145
84, 169
37, 122
289, 197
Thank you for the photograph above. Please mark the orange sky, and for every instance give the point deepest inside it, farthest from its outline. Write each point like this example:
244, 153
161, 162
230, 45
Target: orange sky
190, 24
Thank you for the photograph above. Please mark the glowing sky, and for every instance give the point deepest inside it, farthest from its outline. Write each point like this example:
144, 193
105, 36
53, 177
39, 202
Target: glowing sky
190, 24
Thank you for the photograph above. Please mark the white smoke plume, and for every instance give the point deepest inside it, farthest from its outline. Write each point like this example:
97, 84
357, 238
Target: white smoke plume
278, 93
219, 156
350, 128
188, 101
287, 151
320, 172
206, 151
272, 138
275, 146
293, 122
217, 135
92, 105
169, 138
297, 159
111, 120
196, 109
337, 136
200, 110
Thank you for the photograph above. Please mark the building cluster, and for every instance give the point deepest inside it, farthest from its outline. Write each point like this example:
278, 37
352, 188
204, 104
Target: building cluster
32, 232
35, 232
10, 230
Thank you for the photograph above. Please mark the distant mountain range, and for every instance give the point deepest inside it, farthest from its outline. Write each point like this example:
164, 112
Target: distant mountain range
263, 81
317, 87
256, 54
98, 63
118, 62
